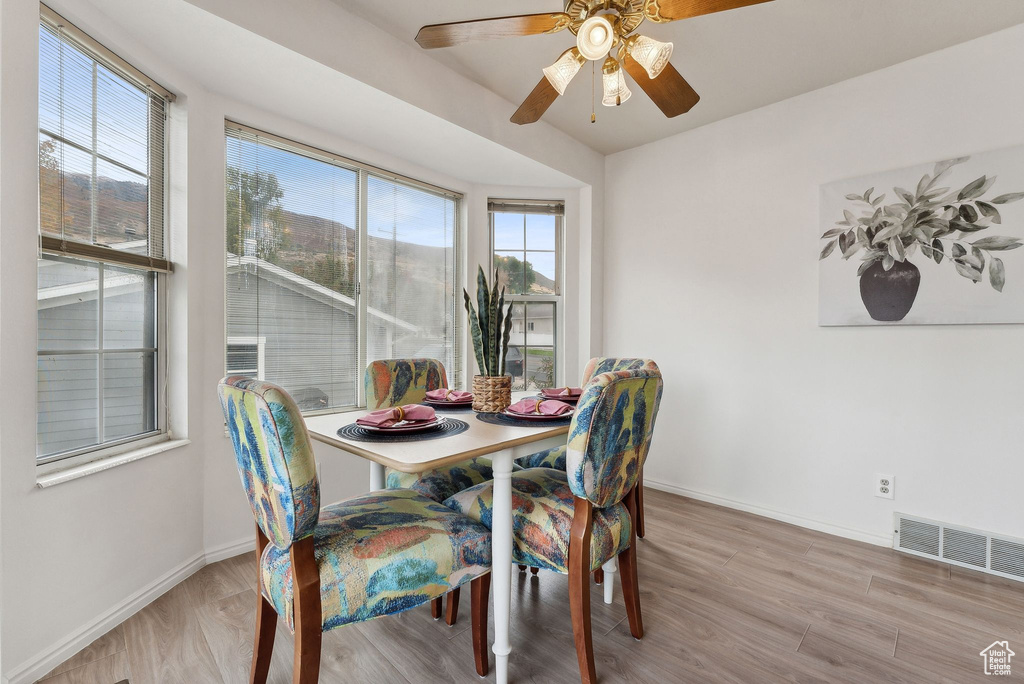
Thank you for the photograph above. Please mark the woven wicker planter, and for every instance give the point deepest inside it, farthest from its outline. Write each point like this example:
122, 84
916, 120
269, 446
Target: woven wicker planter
492, 394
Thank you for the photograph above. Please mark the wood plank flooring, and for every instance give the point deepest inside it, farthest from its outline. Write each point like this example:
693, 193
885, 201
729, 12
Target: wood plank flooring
727, 597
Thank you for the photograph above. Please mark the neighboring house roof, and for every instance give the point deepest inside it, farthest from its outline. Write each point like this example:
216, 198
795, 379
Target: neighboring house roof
60, 295
304, 286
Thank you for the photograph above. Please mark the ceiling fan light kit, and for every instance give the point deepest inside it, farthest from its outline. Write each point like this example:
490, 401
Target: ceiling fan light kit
599, 26
595, 37
652, 55
615, 89
565, 69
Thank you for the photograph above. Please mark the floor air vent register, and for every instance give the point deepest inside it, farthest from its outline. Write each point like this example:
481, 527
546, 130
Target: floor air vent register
963, 546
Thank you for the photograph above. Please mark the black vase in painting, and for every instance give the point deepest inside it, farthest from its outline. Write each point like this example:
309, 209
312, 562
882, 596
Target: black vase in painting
889, 295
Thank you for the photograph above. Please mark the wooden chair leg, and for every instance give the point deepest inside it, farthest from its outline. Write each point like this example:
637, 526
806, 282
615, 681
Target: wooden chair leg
480, 589
522, 568
452, 613
599, 576
534, 570
437, 607
579, 587
266, 624
630, 582
639, 518
308, 615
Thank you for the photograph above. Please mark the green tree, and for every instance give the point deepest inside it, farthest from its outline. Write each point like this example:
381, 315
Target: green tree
254, 212
335, 273
517, 276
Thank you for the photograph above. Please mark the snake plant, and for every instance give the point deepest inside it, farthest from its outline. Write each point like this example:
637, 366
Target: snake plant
490, 325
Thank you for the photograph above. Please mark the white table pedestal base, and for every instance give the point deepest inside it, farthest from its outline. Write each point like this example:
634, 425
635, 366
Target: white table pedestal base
501, 561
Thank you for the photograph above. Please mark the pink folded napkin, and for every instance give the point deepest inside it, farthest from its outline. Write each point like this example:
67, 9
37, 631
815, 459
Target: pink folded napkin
541, 406
555, 392
414, 413
449, 395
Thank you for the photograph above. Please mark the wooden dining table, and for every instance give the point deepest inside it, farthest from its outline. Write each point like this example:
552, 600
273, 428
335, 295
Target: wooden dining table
501, 443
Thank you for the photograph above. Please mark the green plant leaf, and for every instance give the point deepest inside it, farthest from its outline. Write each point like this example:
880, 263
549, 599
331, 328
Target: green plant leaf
968, 213
972, 189
475, 333
850, 218
965, 227
483, 305
957, 251
888, 262
835, 232
1009, 197
887, 232
878, 200
845, 240
855, 198
828, 249
944, 166
865, 266
505, 339
968, 271
989, 211
976, 259
907, 197
997, 274
997, 243
494, 319
937, 251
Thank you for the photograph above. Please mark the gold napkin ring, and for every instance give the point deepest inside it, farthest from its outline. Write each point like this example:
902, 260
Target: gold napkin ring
401, 413
536, 407
447, 393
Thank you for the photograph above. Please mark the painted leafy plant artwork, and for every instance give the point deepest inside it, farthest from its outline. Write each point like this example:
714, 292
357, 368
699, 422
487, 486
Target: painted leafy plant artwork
941, 219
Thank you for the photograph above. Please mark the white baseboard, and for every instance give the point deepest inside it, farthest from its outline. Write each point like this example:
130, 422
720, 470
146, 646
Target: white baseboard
230, 550
828, 528
46, 660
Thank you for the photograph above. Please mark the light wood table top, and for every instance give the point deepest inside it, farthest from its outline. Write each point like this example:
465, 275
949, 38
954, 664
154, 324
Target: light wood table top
417, 456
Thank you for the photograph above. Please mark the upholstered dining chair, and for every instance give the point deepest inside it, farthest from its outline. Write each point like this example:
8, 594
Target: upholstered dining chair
321, 568
555, 458
394, 382
573, 521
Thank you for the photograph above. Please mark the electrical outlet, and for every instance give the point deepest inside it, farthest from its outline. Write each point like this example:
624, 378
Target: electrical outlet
885, 486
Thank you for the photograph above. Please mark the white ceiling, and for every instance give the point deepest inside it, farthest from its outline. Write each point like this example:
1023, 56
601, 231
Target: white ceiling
738, 60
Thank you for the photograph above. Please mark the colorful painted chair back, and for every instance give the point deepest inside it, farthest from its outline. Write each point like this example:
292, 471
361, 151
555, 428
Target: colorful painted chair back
599, 365
394, 382
611, 432
274, 457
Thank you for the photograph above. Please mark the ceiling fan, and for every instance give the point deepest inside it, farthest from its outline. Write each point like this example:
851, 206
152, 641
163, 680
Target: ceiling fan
600, 26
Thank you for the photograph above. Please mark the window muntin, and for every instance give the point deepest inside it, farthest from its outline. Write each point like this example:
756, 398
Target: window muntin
101, 174
302, 226
526, 239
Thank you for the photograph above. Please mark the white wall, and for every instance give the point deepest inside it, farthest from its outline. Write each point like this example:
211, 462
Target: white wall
711, 251
80, 556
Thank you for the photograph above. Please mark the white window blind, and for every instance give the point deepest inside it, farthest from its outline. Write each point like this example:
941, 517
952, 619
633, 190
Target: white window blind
411, 274
302, 225
101, 220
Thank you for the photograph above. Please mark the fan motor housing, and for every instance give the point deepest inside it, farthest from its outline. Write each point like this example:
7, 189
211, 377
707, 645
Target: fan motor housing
631, 13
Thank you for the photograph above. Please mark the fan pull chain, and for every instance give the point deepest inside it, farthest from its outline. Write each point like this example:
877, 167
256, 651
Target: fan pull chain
593, 92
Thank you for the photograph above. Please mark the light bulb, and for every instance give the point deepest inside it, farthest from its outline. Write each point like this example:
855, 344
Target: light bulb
564, 69
615, 89
651, 54
595, 37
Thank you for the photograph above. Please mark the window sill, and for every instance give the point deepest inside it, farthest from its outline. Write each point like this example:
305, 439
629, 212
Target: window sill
76, 471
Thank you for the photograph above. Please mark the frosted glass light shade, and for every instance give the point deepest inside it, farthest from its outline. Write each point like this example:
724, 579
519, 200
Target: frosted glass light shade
651, 54
595, 38
615, 89
565, 69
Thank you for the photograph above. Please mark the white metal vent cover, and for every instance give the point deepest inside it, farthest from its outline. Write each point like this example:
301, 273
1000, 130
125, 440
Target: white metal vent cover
963, 546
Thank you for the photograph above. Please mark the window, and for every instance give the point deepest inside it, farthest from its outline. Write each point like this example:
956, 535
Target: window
101, 224
331, 263
526, 238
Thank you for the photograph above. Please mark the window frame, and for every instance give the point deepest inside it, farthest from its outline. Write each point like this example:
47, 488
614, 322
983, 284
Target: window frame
364, 171
544, 207
59, 249
260, 341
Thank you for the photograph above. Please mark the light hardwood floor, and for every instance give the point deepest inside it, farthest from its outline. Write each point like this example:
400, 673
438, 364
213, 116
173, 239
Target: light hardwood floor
727, 597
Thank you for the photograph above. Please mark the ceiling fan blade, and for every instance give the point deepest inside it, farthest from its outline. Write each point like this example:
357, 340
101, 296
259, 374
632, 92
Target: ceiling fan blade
660, 11
447, 35
536, 104
670, 91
